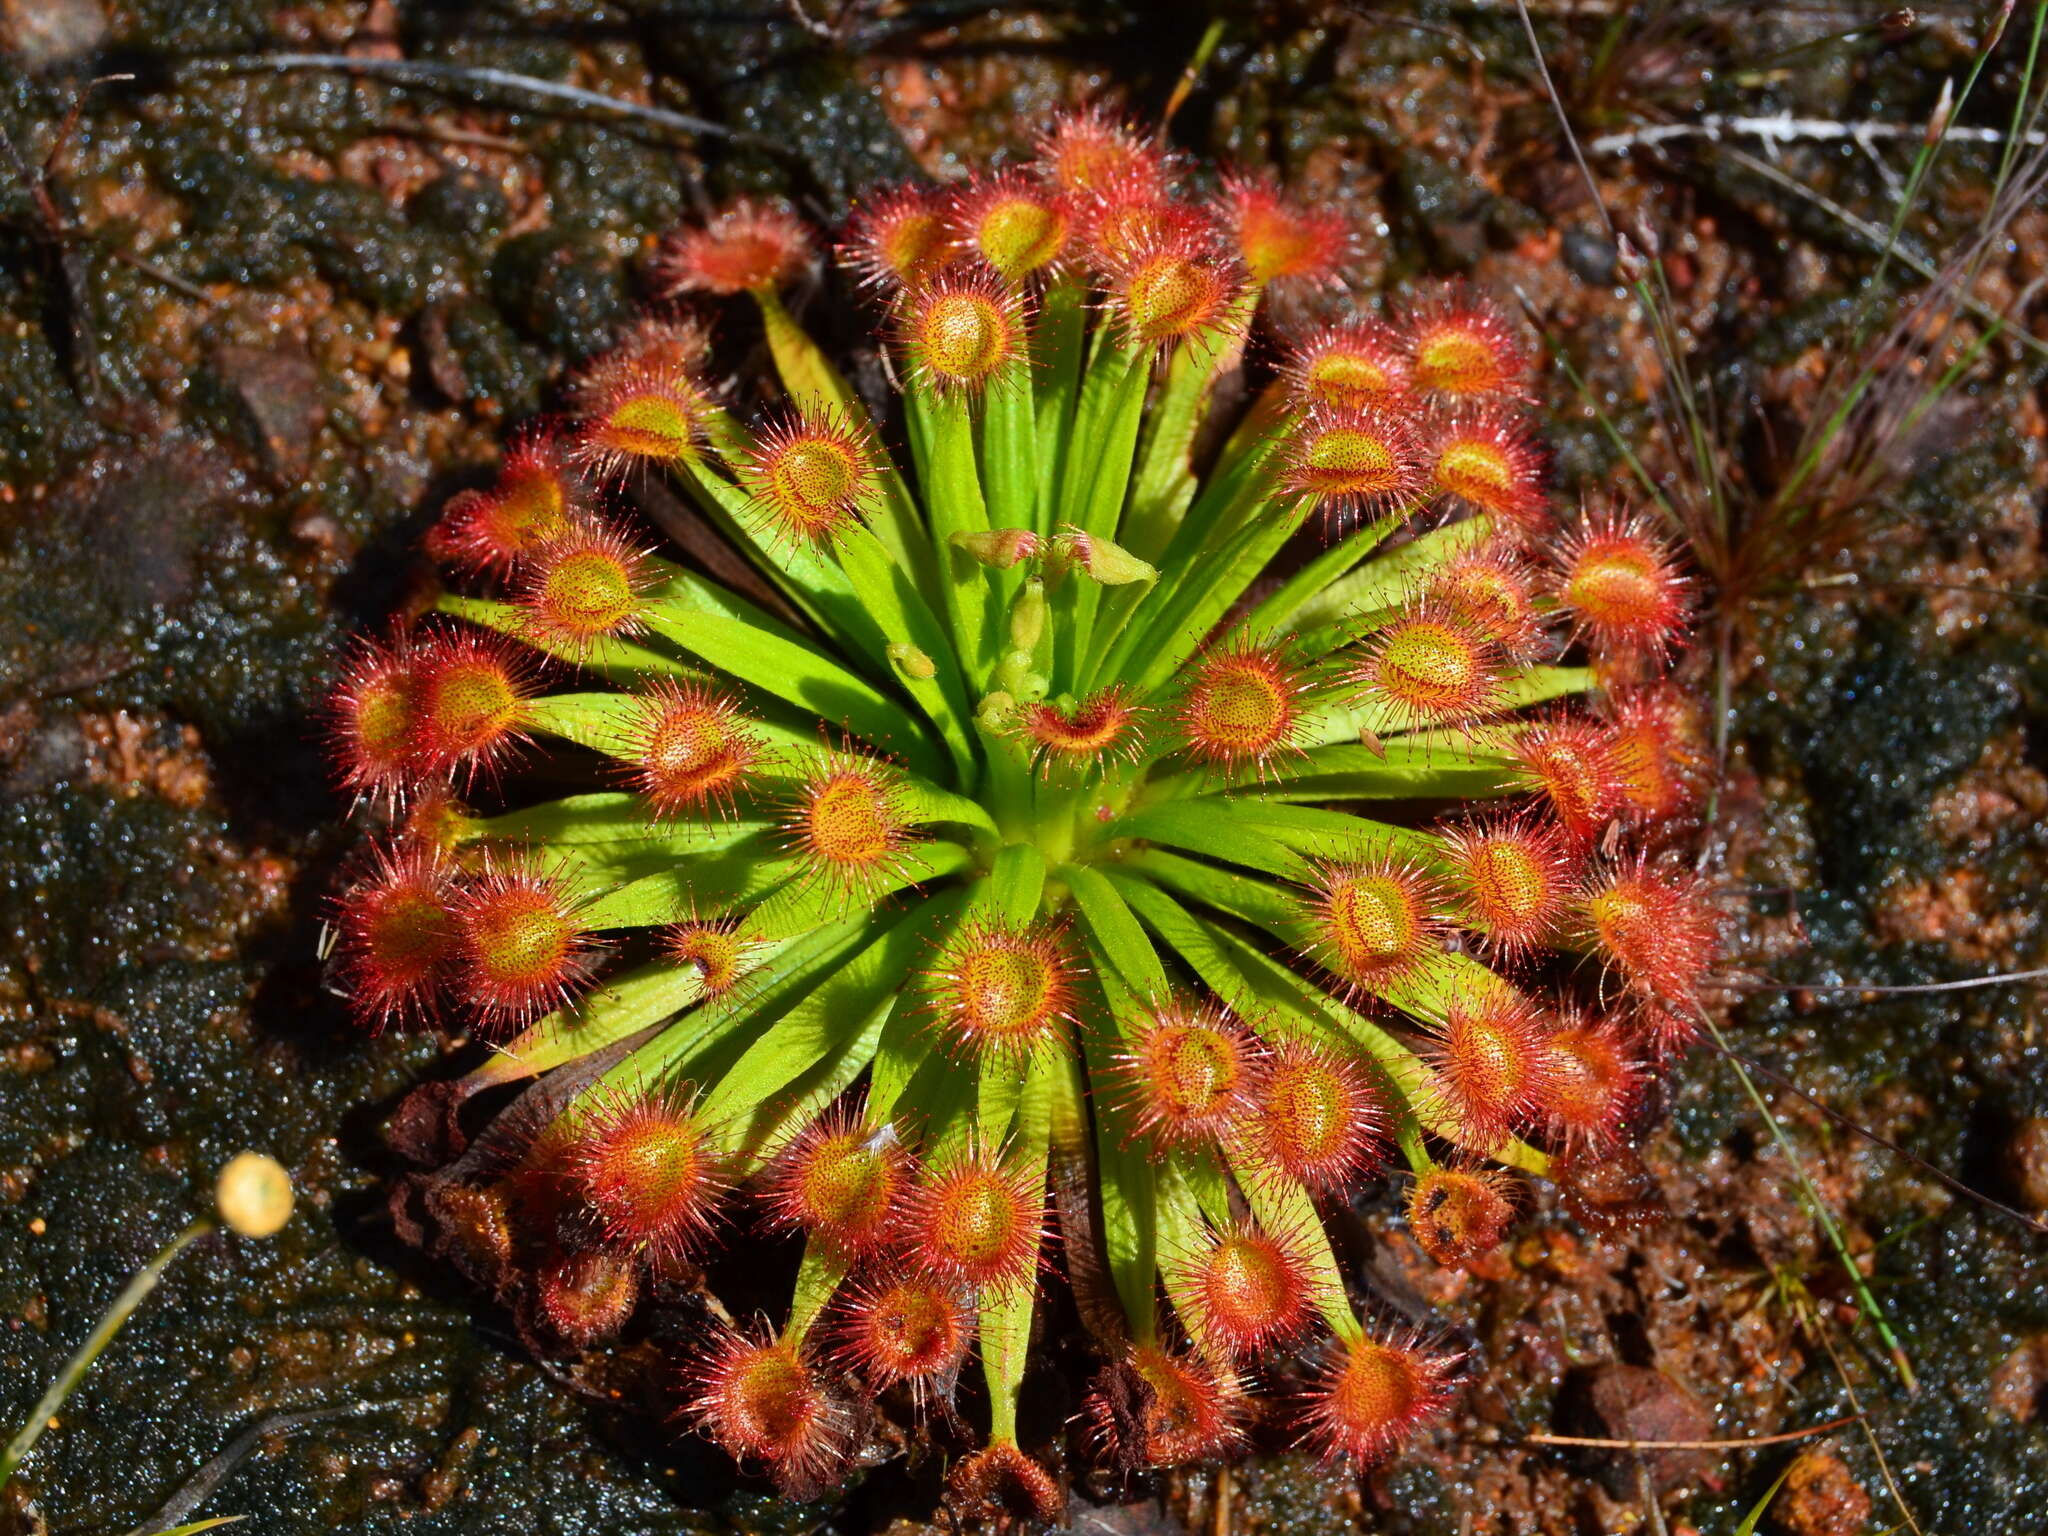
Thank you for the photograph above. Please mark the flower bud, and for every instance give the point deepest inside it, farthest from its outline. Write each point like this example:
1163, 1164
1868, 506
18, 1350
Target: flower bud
1937, 122
1015, 675
1028, 616
999, 548
1628, 260
1110, 564
912, 662
996, 711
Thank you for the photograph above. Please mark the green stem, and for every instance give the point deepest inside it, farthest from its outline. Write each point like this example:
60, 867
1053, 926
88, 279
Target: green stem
132, 1296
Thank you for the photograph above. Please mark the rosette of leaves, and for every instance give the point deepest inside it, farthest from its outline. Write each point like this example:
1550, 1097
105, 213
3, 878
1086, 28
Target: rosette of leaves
1038, 783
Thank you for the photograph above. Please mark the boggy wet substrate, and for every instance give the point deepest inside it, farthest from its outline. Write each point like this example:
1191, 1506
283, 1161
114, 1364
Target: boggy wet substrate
208, 483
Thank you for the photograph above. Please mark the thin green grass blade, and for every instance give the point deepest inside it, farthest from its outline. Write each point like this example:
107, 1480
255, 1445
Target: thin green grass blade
133, 1294
1755, 1517
1821, 1213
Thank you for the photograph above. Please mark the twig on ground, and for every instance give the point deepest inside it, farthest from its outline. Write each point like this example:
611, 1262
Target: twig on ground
1784, 128
436, 72
1692, 1445
1881, 241
200, 1486
1852, 579
1564, 118
1968, 983
1191, 76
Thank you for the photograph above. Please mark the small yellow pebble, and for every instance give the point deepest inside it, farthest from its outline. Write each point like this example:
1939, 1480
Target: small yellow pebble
254, 1194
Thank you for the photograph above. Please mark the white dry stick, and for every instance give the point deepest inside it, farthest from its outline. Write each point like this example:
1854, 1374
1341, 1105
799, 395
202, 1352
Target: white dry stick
1786, 129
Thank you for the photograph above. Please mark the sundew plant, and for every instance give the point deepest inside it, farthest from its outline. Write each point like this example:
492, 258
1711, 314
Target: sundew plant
1048, 828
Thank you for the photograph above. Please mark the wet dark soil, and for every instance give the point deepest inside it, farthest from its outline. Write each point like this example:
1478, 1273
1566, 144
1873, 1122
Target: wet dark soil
255, 326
